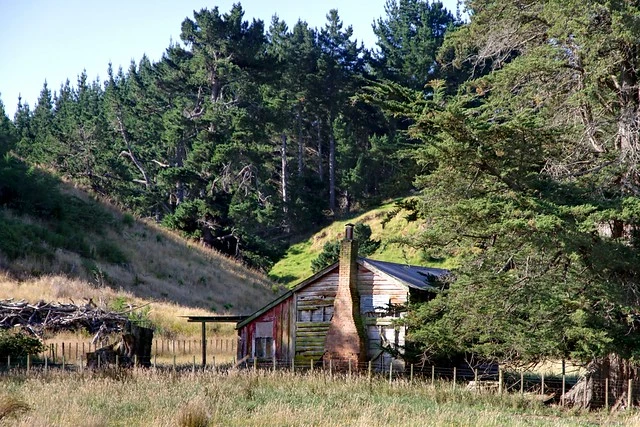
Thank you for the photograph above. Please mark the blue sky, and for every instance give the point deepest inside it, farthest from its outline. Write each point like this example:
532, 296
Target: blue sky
55, 40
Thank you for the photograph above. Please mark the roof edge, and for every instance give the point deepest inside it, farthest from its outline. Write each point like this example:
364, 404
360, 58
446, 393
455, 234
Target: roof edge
286, 295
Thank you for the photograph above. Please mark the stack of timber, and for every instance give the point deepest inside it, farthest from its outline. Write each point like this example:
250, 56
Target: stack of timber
55, 317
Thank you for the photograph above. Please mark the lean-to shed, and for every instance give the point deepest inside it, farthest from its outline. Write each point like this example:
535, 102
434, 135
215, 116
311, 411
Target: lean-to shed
345, 313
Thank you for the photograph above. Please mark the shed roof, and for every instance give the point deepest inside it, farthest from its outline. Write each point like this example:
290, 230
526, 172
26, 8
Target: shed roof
414, 276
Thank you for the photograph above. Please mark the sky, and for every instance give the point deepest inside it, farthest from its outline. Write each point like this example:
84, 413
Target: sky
55, 40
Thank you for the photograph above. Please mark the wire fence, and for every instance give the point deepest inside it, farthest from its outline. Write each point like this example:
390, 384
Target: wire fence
601, 393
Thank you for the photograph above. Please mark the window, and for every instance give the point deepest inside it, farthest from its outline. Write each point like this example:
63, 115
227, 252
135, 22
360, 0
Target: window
263, 344
263, 347
319, 314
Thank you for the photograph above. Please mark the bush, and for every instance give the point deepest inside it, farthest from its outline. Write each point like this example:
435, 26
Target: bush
18, 344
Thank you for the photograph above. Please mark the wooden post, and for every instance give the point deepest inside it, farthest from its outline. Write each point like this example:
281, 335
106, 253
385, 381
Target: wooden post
55, 353
330, 368
193, 368
433, 374
76, 350
349, 368
311, 365
174, 362
255, 364
369, 369
155, 361
542, 384
45, 363
411, 374
63, 352
522, 382
293, 365
63, 364
98, 361
390, 372
204, 344
500, 381
630, 395
454, 377
83, 352
563, 389
117, 362
606, 393
213, 361
475, 379
135, 360
584, 397
156, 347
274, 363
81, 365
28, 362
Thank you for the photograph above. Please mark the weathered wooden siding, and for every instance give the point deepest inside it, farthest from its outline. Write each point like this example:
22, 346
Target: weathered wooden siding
282, 317
314, 309
377, 291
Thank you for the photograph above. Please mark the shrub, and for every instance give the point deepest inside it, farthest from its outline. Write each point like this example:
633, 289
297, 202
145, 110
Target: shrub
18, 344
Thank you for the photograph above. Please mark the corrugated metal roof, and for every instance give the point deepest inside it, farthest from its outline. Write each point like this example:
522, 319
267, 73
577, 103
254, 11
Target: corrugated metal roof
412, 275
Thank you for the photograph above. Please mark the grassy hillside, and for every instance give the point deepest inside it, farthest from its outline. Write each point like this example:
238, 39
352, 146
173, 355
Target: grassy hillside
296, 264
58, 243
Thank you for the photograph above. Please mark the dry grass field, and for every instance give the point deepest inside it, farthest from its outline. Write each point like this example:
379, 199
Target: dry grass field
240, 398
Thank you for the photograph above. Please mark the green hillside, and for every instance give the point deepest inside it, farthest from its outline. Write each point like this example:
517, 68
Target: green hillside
296, 264
57, 242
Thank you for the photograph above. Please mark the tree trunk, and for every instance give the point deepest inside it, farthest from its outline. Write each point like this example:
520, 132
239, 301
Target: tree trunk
300, 145
590, 390
283, 171
332, 169
320, 170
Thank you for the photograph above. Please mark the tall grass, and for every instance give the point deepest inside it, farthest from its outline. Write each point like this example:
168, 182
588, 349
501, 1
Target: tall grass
240, 398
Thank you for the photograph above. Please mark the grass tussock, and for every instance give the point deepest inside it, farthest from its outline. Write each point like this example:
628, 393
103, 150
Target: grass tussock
11, 406
193, 415
239, 398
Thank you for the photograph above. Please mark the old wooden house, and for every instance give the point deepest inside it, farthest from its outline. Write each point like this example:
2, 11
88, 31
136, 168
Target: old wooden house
346, 312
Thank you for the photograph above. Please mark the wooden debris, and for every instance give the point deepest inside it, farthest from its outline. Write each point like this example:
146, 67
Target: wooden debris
54, 317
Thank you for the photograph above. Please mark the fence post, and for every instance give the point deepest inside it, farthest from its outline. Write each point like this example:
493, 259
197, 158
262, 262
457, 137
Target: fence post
174, 362
293, 364
349, 368
390, 372
117, 362
562, 402
606, 393
542, 383
630, 394
155, 361
311, 365
193, 369
330, 368
411, 374
475, 379
76, 350
454, 377
521, 382
274, 363
28, 362
369, 370
500, 381
63, 360
135, 361
45, 363
81, 365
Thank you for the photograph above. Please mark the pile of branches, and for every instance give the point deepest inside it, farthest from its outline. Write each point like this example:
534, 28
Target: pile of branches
55, 317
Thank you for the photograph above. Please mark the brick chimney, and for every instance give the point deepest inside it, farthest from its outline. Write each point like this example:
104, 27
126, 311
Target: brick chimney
345, 338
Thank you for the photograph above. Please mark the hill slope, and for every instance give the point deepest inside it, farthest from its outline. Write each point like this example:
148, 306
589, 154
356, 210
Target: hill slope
296, 264
58, 243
